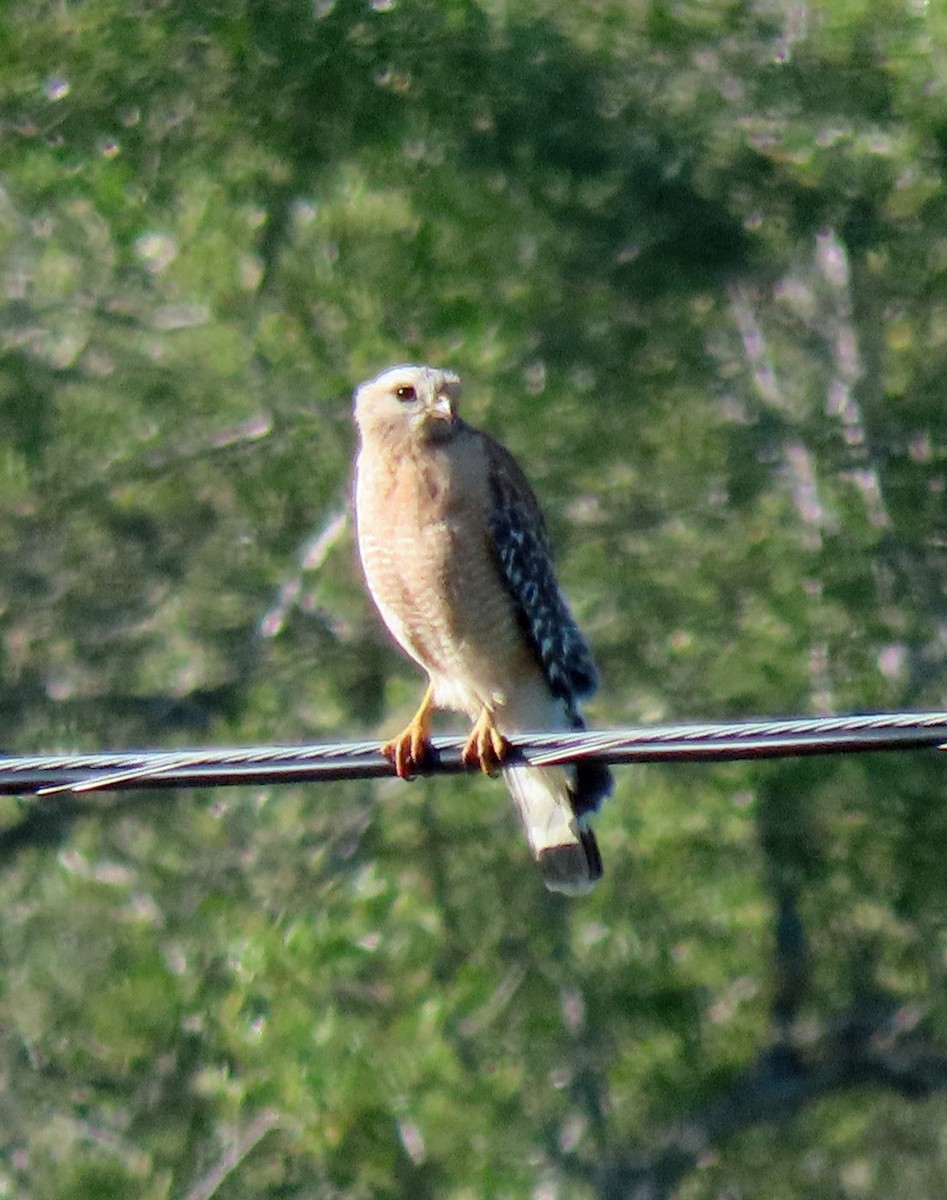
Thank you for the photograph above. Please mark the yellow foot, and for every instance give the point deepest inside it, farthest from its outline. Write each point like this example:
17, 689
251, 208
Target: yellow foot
486, 747
409, 749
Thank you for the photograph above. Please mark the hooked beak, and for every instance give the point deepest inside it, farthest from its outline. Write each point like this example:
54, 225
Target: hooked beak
441, 408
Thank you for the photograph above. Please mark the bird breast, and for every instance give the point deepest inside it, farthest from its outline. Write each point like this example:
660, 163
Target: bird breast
424, 540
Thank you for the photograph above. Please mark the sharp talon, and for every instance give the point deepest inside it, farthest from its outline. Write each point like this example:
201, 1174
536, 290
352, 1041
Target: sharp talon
486, 747
408, 751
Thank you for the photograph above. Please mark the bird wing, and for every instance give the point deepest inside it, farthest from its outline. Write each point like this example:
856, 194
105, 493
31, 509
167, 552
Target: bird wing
527, 568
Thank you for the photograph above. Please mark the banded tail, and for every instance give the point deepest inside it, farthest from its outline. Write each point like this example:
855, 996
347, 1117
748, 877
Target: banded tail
554, 804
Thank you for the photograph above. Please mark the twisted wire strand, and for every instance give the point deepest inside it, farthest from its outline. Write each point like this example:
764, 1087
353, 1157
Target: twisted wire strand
44, 775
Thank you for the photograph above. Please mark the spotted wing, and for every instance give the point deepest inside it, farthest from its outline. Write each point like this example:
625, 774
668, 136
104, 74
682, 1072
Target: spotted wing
524, 555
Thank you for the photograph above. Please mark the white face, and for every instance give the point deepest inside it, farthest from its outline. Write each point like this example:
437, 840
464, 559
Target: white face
426, 396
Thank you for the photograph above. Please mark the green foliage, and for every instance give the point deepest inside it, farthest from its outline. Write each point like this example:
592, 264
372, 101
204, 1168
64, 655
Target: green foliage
690, 261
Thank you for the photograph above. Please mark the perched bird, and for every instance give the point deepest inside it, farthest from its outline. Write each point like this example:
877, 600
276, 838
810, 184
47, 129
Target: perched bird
458, 562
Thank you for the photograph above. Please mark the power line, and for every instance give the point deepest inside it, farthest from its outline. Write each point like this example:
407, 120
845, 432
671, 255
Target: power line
43, 775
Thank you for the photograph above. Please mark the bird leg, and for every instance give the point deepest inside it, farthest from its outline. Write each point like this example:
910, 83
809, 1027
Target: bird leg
486, 747
409, 749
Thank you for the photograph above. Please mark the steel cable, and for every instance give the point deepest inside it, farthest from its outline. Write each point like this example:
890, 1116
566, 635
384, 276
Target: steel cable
43, 775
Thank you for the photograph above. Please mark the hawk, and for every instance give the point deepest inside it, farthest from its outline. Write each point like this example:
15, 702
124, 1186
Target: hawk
458, 562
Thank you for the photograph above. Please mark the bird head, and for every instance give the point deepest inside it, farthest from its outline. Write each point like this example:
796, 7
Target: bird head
424, 397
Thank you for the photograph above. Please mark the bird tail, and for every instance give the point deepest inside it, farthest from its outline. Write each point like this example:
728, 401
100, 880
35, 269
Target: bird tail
554, 804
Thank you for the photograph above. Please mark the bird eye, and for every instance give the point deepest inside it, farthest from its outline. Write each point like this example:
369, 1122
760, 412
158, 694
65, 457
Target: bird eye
405, 393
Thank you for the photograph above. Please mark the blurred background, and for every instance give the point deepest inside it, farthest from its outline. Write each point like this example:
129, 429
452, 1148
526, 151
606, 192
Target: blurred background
690, 258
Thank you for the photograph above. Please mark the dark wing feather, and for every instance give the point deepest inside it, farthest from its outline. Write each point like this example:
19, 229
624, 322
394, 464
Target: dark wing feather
524, 554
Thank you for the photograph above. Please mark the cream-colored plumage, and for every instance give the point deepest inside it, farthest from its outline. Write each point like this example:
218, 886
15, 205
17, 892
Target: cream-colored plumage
457, 560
